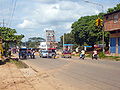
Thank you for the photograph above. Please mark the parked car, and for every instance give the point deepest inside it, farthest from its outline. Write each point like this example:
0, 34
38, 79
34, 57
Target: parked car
43, 53
47, 53
52, 52
66, 54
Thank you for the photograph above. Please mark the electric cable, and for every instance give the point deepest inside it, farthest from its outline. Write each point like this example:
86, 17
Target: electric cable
14, 7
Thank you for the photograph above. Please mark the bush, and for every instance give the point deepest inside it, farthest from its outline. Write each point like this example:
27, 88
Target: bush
88, 55
102, 55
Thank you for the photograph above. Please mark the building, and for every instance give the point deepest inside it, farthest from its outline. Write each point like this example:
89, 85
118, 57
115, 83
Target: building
43, 46
112, 25
50, 38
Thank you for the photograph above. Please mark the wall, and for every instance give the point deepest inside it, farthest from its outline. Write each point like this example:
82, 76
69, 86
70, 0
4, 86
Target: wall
109, 22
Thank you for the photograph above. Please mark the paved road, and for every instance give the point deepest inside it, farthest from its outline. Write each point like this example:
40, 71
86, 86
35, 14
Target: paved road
82, 74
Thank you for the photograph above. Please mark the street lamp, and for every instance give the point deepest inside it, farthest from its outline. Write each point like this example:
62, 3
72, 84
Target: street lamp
103, 22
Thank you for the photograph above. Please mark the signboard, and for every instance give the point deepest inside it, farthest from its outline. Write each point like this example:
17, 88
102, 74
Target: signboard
68, 44
87, 46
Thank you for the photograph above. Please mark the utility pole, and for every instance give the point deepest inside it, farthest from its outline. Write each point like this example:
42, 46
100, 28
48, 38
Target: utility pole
1, 47
63, 41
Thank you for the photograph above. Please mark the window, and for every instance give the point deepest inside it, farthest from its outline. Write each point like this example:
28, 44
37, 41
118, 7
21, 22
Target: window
107, 17
116, 18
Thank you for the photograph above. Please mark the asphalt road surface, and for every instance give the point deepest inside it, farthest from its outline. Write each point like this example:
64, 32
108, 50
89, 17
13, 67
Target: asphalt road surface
80, 74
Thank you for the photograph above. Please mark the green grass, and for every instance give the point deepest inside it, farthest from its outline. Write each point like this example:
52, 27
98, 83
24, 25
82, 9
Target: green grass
19, 64
103, 56
117, 58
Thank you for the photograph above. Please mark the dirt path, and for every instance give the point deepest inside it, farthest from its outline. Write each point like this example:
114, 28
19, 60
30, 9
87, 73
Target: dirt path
12, 78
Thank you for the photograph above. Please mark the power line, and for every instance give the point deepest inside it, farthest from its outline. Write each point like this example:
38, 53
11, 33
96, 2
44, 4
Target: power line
7, 11
95, 3
14, 7
10, 10
1, 11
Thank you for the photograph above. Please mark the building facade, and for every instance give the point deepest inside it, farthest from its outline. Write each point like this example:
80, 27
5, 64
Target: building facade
112, 25
43, 46
50, 38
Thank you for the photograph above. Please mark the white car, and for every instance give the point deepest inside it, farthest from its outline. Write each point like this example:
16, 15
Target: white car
47, 53
44, 53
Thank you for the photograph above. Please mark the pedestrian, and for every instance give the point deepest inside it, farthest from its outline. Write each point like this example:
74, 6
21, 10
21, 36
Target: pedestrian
20, 53
9, 53
33, 54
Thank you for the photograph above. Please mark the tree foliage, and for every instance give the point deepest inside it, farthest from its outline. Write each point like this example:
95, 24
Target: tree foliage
116, 8
86, 32
68, 38
8, 35
34, 42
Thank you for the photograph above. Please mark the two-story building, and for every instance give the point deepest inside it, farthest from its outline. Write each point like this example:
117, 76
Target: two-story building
112, 25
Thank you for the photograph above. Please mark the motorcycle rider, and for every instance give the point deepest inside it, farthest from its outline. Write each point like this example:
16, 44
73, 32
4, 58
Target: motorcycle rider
82, 53
95, 53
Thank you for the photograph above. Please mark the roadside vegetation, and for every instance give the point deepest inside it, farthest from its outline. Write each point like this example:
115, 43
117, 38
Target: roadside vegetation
19, 64
9, 39
101, 55
33, 42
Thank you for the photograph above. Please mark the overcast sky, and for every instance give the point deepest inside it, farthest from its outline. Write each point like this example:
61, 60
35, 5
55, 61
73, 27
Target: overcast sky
33, 17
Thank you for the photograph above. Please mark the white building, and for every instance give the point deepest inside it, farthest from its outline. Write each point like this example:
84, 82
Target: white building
43, 45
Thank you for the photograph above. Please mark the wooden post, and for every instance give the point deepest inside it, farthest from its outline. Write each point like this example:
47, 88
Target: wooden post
1, 48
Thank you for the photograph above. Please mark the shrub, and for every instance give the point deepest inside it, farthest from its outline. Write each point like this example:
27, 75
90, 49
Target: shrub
101, 55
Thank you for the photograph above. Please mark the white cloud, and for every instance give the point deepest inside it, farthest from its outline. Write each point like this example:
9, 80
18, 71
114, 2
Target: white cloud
96, 11
53, 16
56, 12
26, 24
57, 15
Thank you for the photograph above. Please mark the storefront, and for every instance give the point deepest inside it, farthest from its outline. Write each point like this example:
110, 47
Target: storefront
115, 43
112, 25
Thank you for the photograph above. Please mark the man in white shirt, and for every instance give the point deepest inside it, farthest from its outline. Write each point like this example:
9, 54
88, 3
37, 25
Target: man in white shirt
82, 53
95, 53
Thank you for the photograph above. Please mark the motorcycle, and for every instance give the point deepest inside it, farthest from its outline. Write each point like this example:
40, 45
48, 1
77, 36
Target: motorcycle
95, 56
82, 56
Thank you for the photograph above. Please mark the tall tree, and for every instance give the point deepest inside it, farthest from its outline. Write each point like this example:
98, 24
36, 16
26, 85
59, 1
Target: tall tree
68, 38
117, 7
8, 34
34, 42
86, 32
9, 37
